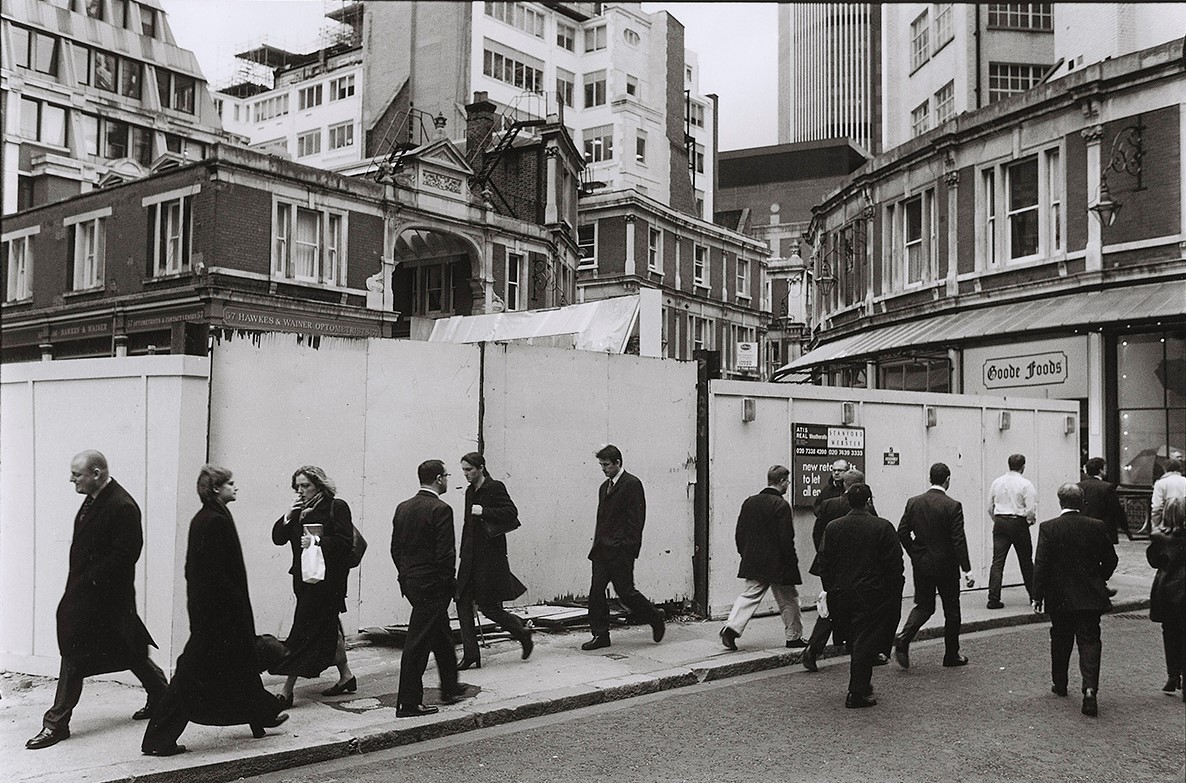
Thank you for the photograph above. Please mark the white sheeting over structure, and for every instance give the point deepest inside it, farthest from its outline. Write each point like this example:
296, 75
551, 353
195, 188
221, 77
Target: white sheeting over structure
604, 326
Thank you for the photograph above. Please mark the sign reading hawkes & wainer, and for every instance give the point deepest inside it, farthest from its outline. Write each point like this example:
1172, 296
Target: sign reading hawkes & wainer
1038, 369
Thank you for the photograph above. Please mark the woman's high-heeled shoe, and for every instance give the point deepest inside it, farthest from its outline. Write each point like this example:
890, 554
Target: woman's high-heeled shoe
350, 686
285, 700
257, 729
469, 663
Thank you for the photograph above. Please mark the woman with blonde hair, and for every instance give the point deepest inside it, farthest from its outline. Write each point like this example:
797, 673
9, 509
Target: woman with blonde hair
317, 518
1167, 601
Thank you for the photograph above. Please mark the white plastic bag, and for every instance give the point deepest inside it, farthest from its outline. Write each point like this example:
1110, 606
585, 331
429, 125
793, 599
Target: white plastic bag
821, 604
312, 565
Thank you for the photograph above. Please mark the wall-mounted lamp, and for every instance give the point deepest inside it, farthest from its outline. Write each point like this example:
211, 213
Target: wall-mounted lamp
869, 207
931, 414
749, 409
848, 413
1069, 425
1127, 150
1004, 420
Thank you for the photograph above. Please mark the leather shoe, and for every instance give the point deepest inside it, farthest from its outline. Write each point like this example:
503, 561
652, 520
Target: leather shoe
596, 643
808, 660
1058, 690
469, 663
417, 711
995, 605
961, 660
658, 628
337, 689
144, 713
1172, 684
455, 695
173, 751
1090, 705
729, 638
881, 660
854, 701
47, 737
257, 729
902, 653
528, 646
796, 644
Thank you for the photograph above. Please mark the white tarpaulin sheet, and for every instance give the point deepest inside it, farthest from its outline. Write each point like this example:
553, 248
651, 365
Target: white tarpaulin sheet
604, 326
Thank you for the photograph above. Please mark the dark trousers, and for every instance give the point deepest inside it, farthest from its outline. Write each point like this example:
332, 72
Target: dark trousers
1173, 636
1066, 630
494, 611
1010, 532
819, 635
619, 571
948, 588
69, 690
891, 616
865, 621
428, 632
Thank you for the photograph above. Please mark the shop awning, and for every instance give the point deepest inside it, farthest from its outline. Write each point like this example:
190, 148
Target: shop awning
604, 325
1114, 305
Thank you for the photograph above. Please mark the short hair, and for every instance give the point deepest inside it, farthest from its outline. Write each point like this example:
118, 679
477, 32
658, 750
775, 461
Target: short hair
1173, 465
317, 478
843, 462
851, 477
1016, 461
1173, 514
1094, 466
1070, 496
776, 474
858, 495
609, 452
940, 473
430, 470
210, 480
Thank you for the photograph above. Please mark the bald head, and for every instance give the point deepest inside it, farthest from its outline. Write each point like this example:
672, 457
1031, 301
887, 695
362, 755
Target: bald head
88, 472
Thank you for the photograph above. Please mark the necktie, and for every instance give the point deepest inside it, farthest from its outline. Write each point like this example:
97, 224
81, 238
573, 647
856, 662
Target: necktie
86, 505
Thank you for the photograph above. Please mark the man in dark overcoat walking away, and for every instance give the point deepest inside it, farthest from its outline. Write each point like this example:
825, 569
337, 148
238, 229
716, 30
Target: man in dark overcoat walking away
99, 630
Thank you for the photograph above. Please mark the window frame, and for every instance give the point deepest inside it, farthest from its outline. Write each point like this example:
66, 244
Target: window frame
566, 86
595, 38
309, 97
640, 147
943, 25
346, 128
598, 143
920, 118
654, 249
996, 213
701, 261
920, 41
330, 263
945, 103
304, 140
566, 36
341, 88
1036, 17
594, 88
18, 278
513, 283
742, 270
587, 261
89, 258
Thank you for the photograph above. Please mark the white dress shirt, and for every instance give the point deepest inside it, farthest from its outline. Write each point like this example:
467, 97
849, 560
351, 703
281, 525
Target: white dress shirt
1013, 495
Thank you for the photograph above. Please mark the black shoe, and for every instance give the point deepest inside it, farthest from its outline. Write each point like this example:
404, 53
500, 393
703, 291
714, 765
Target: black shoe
959, 660
855, 702
47, 737
729, 638
144, 713
257, 729
1172, 684
285, 701
902, 653
528, 646
1091, 707
995, 605
1058, 690
658, 628
796, 644
337, 689
596, 643
173, 751
881, 660
455, 695
469, 663
1111, 590
418, 711
808, 660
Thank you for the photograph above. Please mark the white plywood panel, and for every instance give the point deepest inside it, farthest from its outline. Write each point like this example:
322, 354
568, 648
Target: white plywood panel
18, 517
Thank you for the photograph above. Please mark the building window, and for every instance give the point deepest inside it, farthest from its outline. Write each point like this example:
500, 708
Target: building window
631, 37
599, 143
699, 334
518, 15
341, 88
34, 51
920, 44
697, 161
654, 249
173, 235
945, 103
308, 97
944, 29
147, 21
176, 90
309, 143
104, 70
631, 86
920, 119
94, 8
43, 122
640, 148
698, 197
310, 244
341, 135
565, 86
700, 265
1021, 16
514, 287
922, 375
566, 36
696, 114
990, 217
276, 106
595, 38
912, 233
1006, 79
1054, 199
594, 89
20, 269
89, 242
587, 245
513, 68
1031, 191
1151, 405
743, 291
434, 289
1022, 211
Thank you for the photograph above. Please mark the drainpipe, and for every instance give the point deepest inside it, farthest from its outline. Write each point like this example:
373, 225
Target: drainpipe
977, 36
708, 367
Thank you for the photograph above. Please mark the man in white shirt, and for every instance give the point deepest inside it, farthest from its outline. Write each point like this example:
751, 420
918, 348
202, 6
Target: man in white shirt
1013, 506
1172, 484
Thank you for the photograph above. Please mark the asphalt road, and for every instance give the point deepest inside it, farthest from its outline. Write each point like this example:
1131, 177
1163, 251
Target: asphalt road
993, 721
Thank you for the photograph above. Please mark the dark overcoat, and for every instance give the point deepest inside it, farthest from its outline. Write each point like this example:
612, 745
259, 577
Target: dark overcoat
1074, 558
621, 515
217, 674
423, 547
484, 572
932, 533
1101, 502
1167, 553
766, 540
98, 627
861, 559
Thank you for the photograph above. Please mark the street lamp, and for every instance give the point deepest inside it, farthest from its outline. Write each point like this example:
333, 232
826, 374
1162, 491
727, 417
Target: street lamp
1127, 150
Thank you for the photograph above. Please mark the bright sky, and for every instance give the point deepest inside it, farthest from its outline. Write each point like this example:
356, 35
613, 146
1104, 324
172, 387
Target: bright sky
737, 44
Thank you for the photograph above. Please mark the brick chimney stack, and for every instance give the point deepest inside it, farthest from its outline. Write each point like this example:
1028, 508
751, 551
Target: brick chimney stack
479, 121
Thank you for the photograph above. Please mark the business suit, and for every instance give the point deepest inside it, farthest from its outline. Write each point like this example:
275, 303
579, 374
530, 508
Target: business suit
617, 540
422, 548
765, 538
931, 531
1073, 561
99, 630
1100, 501
860, 563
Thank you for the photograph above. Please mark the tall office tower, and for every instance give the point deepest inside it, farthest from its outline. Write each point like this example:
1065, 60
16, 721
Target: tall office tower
93, 92
829, 73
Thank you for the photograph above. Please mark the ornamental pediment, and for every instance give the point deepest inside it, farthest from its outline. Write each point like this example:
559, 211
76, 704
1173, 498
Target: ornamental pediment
441, 170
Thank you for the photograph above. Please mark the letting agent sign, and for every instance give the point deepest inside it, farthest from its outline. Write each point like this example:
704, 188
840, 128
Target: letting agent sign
814, 448
1038, 369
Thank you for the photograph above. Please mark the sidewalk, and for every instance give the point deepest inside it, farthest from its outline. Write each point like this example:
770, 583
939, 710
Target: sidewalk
105, 742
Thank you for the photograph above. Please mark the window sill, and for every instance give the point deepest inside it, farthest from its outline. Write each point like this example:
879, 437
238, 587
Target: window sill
84, 292
169, 278
587, 268
24, 300
654, 272
701, 286
745, 297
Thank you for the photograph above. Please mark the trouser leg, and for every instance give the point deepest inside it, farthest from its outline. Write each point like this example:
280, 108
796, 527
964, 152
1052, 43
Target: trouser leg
1087, 636
1175, 648
1001, 541
745, 605
949, 594
441, 642
622, 576
819, 635
509, 622
422, 626
66, 697
1025, 555
168, 721
1062, 640
787, 598
152, 678
469, 632
890, 616
598, 604
864, 631
924, 606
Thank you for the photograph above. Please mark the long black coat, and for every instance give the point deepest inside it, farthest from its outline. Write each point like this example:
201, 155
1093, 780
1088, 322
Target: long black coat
766, 540
423, 547
1167, 553
1101, 502
217, 674
484, 572
861, 559
1074, 559
932, 533
98, 627
621, 515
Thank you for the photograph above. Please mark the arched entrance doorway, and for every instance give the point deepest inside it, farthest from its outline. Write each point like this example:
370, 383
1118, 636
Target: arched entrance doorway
436, 274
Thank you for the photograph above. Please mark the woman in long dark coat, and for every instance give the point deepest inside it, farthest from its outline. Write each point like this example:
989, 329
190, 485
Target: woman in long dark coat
484, 576
217, 680
1167, 602
315, 641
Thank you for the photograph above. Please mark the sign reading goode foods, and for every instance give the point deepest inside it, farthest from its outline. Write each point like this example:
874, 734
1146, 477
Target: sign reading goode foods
1037, 369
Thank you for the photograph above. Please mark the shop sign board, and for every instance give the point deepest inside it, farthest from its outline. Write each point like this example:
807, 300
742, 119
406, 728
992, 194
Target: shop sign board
814, 447
1035, 369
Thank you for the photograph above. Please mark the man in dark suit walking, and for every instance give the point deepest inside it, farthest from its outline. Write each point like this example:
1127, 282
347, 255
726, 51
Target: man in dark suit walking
1073, 561
423, 549
932, 533
766, 542
99, 630
1100, 500
617, 540
860, 563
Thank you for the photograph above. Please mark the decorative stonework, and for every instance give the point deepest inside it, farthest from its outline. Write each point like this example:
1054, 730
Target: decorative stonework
952, 178
432, 179
1094, 133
